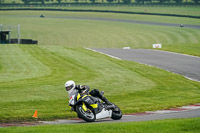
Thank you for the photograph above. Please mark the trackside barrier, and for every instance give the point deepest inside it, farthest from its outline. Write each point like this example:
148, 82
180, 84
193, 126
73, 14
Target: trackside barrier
102, 4
82, 10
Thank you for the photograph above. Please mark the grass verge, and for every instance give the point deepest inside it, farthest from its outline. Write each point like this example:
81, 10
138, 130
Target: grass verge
165, 126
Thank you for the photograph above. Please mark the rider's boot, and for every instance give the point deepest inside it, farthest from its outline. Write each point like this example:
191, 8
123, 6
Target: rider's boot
106, 101
109, 104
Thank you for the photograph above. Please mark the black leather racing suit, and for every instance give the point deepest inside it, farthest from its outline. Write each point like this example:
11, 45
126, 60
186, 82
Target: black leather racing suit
94, 92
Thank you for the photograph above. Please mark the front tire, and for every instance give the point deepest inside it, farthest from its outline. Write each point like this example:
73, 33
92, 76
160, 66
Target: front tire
88, 115
116, 115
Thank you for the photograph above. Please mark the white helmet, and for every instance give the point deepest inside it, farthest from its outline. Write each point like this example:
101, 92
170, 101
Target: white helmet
69, 85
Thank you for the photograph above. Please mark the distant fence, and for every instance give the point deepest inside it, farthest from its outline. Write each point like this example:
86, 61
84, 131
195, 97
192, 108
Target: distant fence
125, 12
101, 5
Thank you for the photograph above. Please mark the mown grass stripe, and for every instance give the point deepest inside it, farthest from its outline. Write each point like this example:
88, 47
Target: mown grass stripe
18, 64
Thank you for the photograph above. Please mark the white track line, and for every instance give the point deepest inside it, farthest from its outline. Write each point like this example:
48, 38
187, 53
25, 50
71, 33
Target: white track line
103, 53
172, 110
177, 53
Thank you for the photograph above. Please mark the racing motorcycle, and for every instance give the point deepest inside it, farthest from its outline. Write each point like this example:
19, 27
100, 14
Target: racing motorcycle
91, 108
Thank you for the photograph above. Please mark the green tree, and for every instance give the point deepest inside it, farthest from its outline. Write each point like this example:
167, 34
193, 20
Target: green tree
26, 1
42, 1
161, 1
110, 1
59, 1
178, 1
93, 1
126, 1
38, 1
1, 1
140, 1
196, 1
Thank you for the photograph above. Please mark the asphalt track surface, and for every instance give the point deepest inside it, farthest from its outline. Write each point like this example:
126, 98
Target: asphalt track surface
136, 117
186, 65
128, 21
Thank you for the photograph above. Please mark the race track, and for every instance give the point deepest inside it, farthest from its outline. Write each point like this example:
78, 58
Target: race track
188, 66
128, 21
189, 111
182, 112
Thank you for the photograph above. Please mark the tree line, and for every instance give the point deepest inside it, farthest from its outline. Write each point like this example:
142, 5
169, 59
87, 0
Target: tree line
110, 1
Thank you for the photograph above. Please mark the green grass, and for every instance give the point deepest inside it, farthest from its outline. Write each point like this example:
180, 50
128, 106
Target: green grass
93, 33
32, 77
193, 11
178, 10
160, 126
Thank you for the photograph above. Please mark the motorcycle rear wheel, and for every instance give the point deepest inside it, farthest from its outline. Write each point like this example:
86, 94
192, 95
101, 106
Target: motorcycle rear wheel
88, 115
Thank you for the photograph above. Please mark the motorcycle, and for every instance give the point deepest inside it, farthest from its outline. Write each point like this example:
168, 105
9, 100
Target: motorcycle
91, 108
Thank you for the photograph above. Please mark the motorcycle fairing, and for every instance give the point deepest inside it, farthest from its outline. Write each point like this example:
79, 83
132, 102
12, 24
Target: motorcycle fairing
103, 114
86, 99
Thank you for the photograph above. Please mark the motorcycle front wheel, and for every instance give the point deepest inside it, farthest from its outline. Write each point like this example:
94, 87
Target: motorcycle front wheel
88, 115
116, 115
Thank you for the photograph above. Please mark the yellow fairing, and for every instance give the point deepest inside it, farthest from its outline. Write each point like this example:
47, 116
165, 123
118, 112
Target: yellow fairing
94, 105
84, 96
84, 107
78, 96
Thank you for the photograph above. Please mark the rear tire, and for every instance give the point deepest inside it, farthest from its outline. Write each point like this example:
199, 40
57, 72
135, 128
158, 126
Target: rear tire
116, 115
88, 116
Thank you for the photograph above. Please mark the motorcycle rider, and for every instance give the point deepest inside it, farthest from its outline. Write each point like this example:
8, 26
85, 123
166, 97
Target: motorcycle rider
72, 88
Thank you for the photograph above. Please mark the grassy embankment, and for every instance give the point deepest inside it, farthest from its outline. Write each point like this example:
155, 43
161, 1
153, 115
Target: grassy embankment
32, 77
92, 33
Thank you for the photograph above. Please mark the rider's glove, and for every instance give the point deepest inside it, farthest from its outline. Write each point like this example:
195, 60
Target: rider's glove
84, 89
